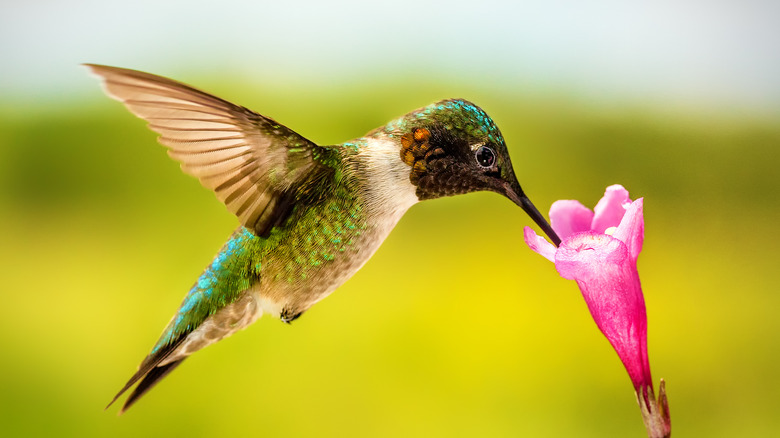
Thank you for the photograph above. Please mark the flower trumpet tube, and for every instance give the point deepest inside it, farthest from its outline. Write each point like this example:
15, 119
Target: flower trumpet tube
599, 250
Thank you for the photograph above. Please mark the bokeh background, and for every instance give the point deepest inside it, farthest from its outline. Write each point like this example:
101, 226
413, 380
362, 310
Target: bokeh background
102, 235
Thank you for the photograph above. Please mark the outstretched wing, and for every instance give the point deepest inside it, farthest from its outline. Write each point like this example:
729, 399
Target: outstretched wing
253, 164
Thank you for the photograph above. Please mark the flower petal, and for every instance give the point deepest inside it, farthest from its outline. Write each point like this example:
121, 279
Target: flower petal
631, 230
570, 217
609, 282
589, 254
604, 267
539, 244
610, 209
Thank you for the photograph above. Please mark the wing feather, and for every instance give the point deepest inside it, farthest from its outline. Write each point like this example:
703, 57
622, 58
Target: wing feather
212, 155
215, 143
248, 160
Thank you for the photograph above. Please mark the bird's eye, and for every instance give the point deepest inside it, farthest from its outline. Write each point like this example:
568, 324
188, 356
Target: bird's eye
486, 157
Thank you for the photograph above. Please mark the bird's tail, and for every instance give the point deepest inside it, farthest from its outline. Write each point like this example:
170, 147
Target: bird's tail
151, 371
167, 355
149, 380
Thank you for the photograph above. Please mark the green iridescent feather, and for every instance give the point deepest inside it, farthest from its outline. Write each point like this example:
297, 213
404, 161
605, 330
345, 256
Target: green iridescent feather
326, 217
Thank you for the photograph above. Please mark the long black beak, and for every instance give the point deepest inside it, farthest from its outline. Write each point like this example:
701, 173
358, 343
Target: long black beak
518, 197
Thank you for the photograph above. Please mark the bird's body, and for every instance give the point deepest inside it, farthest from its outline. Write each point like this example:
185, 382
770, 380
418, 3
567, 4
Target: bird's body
311, 216
322, 244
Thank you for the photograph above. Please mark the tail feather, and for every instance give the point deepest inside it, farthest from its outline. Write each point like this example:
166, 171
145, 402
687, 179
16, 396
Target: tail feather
168, 354
149, 367
127, 386
150, 379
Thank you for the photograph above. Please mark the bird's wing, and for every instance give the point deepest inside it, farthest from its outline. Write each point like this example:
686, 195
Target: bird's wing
253, 164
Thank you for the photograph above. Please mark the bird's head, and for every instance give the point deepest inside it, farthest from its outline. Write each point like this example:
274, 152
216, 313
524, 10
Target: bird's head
453, 147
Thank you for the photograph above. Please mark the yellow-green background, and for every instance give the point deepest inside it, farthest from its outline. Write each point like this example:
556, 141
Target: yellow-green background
454, 328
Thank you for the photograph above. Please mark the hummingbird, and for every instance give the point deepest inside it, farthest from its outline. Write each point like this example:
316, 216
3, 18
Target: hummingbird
310, 215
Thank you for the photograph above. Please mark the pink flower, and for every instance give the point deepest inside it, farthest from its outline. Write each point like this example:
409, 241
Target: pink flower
599, 250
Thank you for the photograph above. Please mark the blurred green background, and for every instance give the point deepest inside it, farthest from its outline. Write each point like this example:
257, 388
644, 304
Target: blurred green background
102, 234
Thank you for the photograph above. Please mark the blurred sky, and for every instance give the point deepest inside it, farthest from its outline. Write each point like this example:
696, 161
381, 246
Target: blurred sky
721, 54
